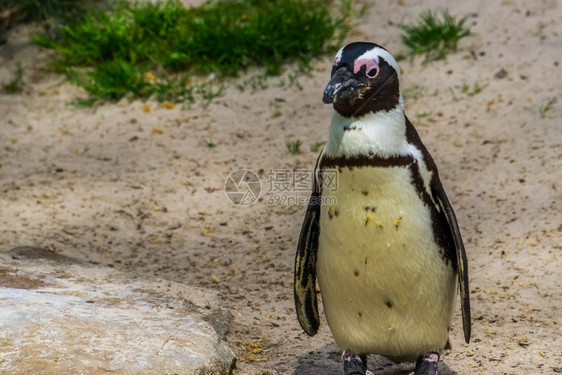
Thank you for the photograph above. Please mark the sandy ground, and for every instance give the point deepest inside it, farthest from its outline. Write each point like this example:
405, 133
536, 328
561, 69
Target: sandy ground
134, 186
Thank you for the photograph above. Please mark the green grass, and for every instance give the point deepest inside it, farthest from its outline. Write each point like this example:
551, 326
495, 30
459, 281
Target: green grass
315, 147
255, 82
433, 36
40, 10
466, 90
110, 54
414, 92
424, 114
543, 110
475, 89
14, 86
207, 92
294, 147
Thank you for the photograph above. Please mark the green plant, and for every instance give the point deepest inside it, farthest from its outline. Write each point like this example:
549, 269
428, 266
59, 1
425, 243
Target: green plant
207, 93
547, 107
294, 147
414, 92
173, 89
434, 37
475, 89
82, 103
36, 10
110, 54
258, 81
424, 114
14, 87
315, 147
466, 89
210, 144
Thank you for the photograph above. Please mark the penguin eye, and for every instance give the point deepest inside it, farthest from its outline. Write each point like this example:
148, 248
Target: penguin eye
372, 72
371, 67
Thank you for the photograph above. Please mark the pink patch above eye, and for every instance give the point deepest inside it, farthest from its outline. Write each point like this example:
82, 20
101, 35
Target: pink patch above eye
336, 61
372, 68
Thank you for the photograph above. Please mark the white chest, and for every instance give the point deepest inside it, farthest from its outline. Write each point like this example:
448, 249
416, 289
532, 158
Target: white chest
384, 285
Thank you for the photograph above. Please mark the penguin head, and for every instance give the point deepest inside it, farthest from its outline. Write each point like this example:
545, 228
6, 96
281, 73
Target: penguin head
365, 78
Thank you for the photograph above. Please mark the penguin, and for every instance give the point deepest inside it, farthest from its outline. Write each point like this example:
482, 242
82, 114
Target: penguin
379, 234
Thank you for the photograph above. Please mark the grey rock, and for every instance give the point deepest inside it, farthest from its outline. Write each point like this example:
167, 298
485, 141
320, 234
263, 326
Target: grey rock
60, 316
31, 252
219, 319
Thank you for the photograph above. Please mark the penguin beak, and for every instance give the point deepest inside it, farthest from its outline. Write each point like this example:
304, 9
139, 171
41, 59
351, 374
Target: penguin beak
342, 87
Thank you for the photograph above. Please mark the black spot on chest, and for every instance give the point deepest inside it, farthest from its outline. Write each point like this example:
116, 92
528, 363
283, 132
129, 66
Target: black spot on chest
442, 234
388, 303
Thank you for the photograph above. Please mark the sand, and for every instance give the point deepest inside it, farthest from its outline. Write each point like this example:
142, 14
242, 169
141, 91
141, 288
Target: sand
135, 185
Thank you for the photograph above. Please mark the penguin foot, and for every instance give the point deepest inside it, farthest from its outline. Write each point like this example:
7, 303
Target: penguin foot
355, 364
426, 364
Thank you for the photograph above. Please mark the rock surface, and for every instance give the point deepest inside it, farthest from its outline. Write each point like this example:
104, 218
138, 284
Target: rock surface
58, 315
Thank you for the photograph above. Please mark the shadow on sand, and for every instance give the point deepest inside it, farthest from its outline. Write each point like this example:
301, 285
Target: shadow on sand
327, 361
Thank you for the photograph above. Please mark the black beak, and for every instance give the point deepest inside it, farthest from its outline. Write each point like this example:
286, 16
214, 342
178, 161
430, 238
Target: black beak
342, 86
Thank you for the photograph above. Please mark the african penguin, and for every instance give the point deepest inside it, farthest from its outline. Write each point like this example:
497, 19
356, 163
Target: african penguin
384, 242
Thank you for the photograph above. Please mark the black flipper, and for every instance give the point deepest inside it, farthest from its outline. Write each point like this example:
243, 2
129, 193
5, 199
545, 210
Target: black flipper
462, 262
306, 303
458, 254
